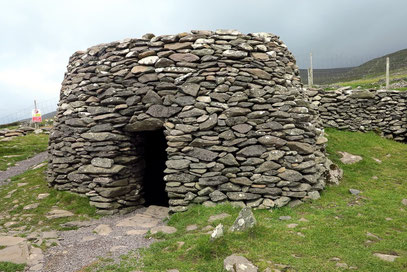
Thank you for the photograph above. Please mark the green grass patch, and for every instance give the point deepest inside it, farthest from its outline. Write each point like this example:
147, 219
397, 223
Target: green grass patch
21, 148
375, 82
24, 190
336, 225
11, 267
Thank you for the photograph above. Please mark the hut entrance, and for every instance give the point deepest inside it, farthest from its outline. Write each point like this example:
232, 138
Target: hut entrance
155, 156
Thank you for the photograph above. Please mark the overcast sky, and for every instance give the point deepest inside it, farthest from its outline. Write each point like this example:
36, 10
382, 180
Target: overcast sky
37, 37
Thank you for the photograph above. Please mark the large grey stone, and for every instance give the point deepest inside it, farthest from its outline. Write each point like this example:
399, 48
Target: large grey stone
234, 54
161, 111
91, 169
244, 221
178, 164
229, 159
184, 57
236, 263
242, 196
252, 151
102, 162
210, 123
217, 196
301, 148
148, 124
103, 136
348, 158
291, 175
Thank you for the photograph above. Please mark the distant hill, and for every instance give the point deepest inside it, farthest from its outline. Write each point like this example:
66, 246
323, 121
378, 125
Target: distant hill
28, 120
49, 115
374, 67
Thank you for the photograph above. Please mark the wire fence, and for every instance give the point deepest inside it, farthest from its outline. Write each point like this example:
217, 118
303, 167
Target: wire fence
47, 108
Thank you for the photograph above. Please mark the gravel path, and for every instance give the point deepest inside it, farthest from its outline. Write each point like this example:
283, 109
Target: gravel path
109, 236
21, 167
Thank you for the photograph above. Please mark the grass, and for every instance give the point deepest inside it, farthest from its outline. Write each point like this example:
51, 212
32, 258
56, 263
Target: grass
11, 267
21, 148
336, 225
374, 82
24, 190
372, 68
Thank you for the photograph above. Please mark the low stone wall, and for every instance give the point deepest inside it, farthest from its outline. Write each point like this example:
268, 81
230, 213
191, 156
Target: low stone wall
238, 125
7, 133
363, 110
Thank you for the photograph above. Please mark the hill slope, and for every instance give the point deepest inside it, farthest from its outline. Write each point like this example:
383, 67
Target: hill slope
374, 67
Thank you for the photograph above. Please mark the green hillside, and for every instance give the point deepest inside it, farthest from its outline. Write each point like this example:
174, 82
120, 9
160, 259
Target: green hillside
372, 68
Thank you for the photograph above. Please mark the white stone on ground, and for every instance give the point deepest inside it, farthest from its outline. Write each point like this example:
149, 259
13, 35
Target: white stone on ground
42, 196
217, 232
348, 158
31, 206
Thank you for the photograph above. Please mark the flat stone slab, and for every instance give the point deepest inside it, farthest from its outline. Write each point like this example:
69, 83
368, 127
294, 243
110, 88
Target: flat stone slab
88, 238
158, 212
49, 235
136, 232
103, 230
15, 254
164, 229
235, 263
218, 217
348, 158
58, 213
10, 240
386, 257
191, 227
138, 221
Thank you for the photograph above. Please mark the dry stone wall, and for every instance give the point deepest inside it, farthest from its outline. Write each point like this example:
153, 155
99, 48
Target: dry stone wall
238, 125
363, 110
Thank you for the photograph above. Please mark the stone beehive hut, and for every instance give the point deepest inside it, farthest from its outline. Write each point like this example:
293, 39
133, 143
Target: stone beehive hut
200, 117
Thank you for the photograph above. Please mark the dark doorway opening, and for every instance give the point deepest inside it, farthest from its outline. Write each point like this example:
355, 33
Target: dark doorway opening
155, 156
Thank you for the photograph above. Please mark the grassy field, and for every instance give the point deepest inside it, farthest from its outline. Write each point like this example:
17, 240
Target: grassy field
24, 190
338, 230
21, 148
376, 82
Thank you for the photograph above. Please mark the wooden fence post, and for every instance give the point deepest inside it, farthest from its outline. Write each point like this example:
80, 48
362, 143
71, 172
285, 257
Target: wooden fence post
387, 73
310, 73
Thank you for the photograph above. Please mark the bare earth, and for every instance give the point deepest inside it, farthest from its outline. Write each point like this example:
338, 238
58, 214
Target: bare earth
109, 236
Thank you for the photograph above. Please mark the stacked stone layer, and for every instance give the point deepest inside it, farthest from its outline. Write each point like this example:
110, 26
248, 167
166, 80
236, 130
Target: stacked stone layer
238, 125
362, 110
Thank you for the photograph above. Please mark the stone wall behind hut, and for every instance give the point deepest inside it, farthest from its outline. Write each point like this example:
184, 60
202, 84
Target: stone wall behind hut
364, 110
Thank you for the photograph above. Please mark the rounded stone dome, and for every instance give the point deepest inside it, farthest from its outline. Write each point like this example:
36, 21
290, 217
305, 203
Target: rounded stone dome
200, 117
